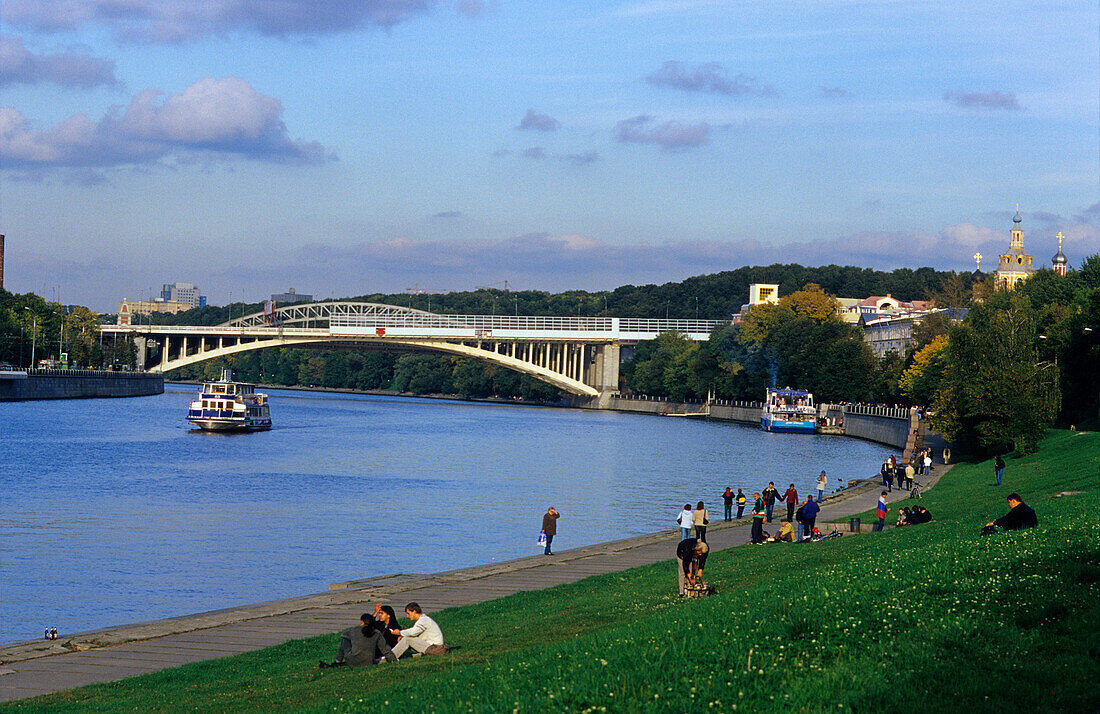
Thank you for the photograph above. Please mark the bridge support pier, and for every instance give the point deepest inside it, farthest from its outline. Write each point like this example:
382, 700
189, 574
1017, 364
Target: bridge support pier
139, 348
605, 373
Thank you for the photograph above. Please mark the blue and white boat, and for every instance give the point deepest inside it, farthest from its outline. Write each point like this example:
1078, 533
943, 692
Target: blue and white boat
226, 405
788, 410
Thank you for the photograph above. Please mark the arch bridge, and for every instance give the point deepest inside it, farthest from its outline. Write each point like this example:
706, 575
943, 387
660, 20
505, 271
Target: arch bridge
579, 355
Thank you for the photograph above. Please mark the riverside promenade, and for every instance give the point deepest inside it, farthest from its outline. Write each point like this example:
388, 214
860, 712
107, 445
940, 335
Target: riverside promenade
39, 667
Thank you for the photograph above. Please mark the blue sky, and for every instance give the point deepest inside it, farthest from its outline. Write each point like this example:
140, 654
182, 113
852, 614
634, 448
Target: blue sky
351, 147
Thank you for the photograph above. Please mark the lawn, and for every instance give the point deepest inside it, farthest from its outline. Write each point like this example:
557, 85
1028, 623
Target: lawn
927, 617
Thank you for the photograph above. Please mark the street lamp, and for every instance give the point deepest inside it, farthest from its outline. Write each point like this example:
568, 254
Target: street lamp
34, 332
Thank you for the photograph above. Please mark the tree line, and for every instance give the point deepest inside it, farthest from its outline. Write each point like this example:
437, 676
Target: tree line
1019, 361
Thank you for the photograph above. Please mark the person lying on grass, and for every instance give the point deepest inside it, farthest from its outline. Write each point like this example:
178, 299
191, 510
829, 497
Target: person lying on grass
424, 637
359, 644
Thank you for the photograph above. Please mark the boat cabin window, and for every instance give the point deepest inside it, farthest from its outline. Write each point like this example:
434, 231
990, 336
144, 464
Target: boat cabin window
219, 389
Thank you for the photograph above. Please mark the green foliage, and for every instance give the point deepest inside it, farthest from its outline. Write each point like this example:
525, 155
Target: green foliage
921, 381
996, 391
929, 614
27, 321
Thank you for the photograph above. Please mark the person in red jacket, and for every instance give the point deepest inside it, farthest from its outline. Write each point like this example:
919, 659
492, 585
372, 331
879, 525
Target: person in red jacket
791, 497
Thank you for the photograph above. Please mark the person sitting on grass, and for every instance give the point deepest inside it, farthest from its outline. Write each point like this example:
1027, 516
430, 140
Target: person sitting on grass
1019, 517
386, 619
786, 531
424, 637
903, 518
358, 645
691, 558
919, 515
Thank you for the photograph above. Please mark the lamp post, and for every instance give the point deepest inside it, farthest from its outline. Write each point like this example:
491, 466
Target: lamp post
34, 333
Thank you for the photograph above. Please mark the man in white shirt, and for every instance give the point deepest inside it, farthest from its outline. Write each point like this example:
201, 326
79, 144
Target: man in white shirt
423, 637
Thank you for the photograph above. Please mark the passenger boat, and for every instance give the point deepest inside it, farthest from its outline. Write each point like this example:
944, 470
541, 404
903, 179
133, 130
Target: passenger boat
226, 405
788, 410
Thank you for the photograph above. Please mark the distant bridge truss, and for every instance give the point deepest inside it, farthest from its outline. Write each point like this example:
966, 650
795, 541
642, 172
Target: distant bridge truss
579, 355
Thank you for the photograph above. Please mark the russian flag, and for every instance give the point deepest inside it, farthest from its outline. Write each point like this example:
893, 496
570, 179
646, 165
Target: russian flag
881, 512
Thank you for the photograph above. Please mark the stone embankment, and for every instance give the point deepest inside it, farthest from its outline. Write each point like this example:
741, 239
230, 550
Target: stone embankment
35, 384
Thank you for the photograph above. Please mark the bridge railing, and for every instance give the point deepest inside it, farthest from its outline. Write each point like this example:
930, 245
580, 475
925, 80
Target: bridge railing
489, 323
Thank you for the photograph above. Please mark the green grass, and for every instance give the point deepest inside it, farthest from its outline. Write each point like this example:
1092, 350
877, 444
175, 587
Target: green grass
929, 617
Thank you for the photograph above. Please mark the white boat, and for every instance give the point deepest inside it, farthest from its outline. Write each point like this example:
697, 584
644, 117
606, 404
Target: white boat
226, 405
789, 410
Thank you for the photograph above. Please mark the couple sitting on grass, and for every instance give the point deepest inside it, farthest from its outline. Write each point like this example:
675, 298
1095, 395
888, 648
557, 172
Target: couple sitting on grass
378, 638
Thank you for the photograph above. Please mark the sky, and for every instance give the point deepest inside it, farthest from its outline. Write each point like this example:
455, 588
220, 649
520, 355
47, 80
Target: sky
346, 148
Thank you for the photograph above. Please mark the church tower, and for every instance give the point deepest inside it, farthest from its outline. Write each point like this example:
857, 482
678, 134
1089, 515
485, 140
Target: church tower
1058, 262
1016, 265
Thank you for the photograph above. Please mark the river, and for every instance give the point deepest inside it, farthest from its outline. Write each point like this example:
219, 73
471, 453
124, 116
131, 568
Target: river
115, 511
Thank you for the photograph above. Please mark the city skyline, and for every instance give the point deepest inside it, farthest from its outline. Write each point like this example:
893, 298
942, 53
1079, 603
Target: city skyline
387, 143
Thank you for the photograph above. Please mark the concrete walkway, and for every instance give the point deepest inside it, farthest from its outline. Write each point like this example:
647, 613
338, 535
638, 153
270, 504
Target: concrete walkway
34, 668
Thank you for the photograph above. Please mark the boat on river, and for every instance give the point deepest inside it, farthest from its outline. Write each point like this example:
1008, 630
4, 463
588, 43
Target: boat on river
788, 410
226, 405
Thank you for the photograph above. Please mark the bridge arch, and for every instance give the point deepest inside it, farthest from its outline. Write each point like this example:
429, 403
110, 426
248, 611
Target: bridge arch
562, 381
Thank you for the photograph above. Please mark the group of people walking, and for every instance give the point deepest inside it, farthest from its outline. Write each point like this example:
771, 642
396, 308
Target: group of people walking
904, 473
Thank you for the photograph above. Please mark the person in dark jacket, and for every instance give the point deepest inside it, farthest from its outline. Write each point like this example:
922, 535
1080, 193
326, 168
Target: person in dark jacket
691, 558
741, 501
809, 515
387, 621
358, 645
999, 469
771, 494
727, 503
1020, 516
550, 527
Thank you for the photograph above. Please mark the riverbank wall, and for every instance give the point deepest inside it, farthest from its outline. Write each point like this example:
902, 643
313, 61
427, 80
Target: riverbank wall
891, 426
39, 384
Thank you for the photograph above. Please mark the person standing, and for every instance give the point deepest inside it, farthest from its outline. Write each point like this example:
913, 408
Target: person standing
700, 519
758, 515
550, 527
771, 493
880, 512
928, 459
685, 521
791, 497
741, 501
822, 482
999, 468
910, 473
809, 516
727, 503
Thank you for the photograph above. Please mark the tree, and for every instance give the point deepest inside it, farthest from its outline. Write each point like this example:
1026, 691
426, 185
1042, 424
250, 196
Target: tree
996, 391
921, 381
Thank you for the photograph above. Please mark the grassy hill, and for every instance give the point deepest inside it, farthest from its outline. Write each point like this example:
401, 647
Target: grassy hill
928, 618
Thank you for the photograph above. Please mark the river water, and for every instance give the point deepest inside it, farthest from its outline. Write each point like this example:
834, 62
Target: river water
115, 511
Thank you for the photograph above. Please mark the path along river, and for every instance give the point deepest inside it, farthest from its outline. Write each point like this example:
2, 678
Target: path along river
116, 511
